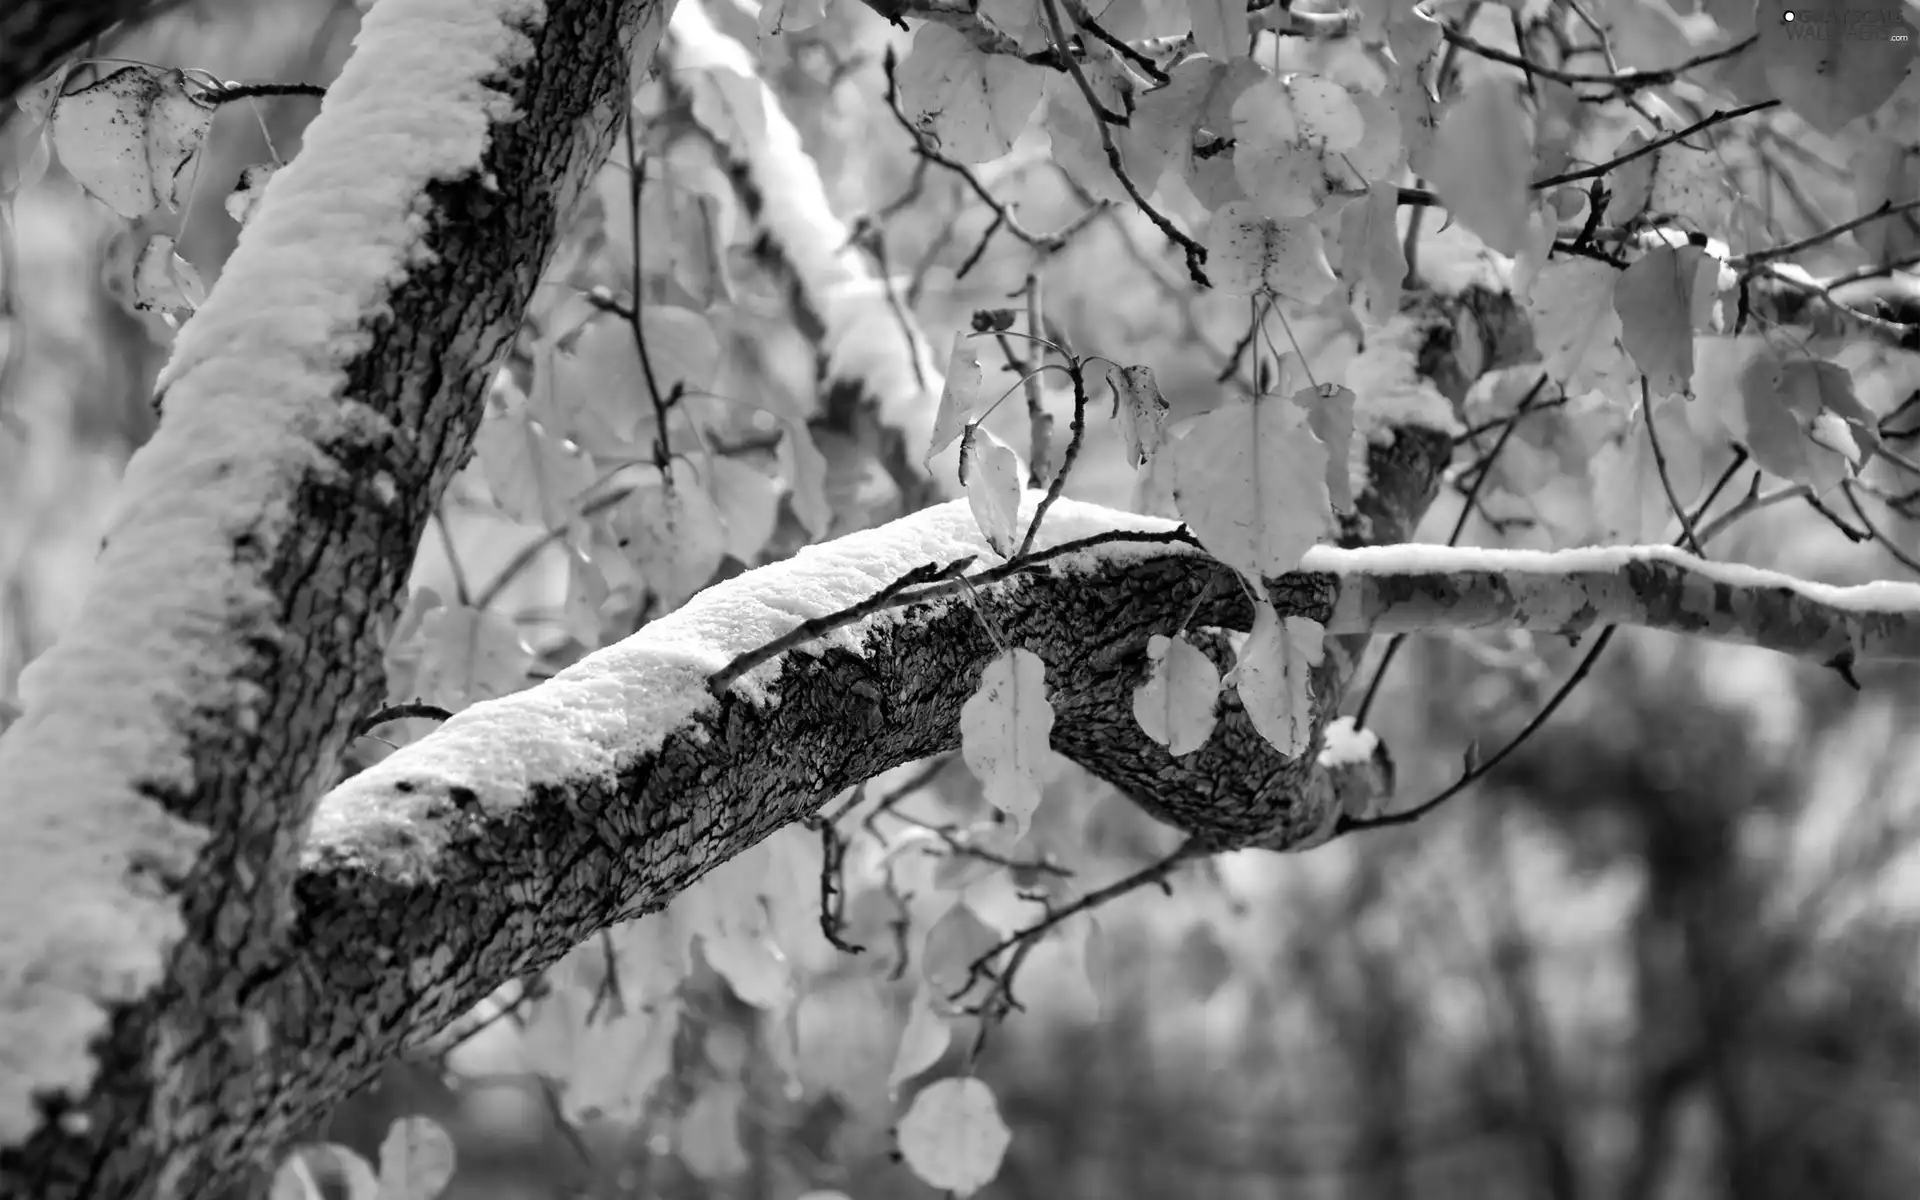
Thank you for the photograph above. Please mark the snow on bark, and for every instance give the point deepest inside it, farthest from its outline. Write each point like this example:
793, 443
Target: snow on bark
156, 657
589, 725
596, 717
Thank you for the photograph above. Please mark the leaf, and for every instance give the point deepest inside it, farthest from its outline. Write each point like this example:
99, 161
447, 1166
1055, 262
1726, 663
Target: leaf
1789, 428
1006, 728
1483, 162
846, 1036
293, 1179
534, 476
1631, 183
1657, 300
1630, 503
1202, 963
991, 471
752, 965
131, 139
974, 104
1200, 93
1690, 188
604, 1067
805, 469
731, 910
959, 397
709, 1140
673, 533
416, 1160
1176, 706
1371, 253
463, 655
1576, 325
749, 505
1251, 480
1291, 138
1248, 253
1833, 60
596, 379
953, 943
165, 282
1273, 677
1330, 416
1141, 410
244, 199
952, 1137
925, 1037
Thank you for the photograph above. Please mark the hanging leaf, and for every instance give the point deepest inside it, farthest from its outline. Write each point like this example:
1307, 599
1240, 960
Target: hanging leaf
974, 104
1483, 162
416, 1160
991, 472
1248, 253
165, 282
1273, 677
132, 138
926, 1036
1330, 416
1658, 302
1576, 325
959, 398
460, 655
709, 1140
953, 943
534, 476
244, 199
1176, 706
1006, 728
805, 469
1251, 480
673, 533
1371, 253
1140, 409
1293, 144
952, 1137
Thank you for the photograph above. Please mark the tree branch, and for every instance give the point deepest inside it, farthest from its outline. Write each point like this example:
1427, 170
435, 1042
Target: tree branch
153, 797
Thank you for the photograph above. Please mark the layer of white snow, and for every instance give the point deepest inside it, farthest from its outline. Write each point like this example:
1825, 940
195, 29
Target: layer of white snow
255, 379
625, 700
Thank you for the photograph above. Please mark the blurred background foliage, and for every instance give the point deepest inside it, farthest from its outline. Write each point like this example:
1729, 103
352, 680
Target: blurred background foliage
1667, 951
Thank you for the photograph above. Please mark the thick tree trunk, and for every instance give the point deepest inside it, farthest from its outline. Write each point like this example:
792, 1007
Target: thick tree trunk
154, 798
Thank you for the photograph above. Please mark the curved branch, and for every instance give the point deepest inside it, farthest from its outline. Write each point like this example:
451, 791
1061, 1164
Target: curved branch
525, 824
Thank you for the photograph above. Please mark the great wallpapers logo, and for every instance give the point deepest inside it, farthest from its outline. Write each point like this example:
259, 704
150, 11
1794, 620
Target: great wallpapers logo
1854, 24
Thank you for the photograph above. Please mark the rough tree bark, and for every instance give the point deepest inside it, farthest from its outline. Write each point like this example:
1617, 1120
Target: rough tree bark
159, 785
207, 944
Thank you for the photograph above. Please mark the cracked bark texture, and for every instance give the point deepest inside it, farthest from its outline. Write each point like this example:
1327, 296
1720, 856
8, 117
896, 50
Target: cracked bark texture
183, 1101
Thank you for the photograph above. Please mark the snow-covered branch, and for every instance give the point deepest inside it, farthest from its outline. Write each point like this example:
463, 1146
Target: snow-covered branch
525, 824
175, 740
